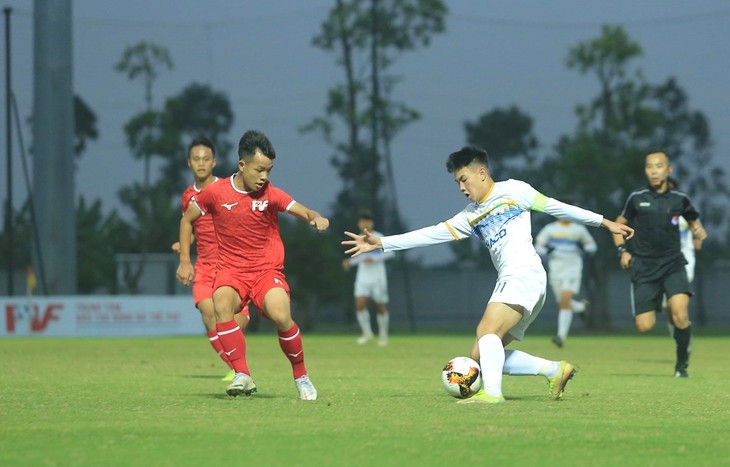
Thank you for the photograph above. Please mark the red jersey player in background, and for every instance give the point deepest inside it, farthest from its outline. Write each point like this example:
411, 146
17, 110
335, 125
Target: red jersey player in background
245, 210
201, 160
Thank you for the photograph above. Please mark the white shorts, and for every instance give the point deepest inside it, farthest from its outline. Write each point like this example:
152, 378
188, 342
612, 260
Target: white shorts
377, 290
562, 282
526, 290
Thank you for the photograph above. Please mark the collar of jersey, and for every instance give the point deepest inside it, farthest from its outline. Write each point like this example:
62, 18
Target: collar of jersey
491, 188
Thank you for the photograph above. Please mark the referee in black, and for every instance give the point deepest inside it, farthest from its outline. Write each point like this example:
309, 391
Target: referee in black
654, 256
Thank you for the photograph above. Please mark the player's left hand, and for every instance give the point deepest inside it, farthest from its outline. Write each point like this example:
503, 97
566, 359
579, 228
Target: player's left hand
320, 223
362, 243
699, 232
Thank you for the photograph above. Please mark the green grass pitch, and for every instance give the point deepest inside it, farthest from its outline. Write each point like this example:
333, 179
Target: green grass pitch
161, 402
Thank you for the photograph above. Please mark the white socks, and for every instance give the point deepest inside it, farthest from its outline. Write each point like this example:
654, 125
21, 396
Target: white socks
565, 318
383, 321
577, 306
491, 360
519, 363
363, 318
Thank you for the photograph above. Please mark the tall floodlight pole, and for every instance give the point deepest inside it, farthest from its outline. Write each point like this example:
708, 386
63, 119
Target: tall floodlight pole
9, 149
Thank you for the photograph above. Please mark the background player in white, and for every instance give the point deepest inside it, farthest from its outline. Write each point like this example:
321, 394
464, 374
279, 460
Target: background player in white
371, 282
563, 243
499, 215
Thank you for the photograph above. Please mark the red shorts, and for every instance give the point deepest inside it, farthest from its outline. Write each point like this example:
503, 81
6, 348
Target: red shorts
203, 282
252, 286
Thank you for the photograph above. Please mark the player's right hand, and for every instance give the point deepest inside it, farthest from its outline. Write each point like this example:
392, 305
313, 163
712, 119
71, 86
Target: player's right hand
185, 274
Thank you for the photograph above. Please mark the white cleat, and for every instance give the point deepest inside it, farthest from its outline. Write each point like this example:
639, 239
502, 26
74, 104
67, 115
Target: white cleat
241, 384
306, 389
364, 339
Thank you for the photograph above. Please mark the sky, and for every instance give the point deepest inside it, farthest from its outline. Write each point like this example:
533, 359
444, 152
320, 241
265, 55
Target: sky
493, 54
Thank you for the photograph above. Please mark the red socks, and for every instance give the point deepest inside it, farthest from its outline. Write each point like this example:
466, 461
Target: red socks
216, 343
233, 344
291, 344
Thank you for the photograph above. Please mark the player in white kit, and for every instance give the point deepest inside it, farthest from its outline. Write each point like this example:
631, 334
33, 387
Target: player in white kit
371, 282
499, 216
563, 243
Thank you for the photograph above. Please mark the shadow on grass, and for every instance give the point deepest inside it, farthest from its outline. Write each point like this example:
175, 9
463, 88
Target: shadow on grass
223, 396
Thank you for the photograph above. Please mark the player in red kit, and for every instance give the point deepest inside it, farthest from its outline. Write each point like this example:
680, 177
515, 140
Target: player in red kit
245, 210
201, 160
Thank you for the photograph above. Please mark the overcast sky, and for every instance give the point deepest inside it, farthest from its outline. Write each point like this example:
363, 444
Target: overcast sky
493, 54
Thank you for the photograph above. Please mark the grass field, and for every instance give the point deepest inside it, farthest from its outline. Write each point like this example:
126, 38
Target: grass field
160, 402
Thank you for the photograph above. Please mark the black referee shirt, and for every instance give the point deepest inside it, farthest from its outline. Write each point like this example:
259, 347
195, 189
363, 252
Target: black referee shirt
655, 219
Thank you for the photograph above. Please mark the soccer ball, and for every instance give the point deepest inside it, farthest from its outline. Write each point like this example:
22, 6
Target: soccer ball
461, 377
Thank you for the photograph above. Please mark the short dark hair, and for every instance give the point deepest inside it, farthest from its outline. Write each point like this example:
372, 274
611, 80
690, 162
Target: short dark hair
254, 140
201, 141
366, 214
466, 156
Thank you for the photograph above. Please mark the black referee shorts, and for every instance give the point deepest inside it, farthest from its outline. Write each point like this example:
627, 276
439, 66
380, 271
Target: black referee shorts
647, 296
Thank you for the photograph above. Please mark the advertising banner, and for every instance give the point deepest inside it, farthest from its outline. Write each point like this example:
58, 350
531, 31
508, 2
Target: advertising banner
99, 316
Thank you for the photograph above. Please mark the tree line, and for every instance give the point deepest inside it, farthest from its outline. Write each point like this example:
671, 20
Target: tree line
597, 164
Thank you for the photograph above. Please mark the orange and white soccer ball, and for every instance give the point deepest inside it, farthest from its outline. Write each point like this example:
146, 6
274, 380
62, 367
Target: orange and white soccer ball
461, 377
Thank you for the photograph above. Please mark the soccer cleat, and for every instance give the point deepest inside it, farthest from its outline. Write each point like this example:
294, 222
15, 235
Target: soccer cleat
241, 384
364, 339
229, 376
556, 384
481, 397
306, 389
558, 341
383, 342
680, 370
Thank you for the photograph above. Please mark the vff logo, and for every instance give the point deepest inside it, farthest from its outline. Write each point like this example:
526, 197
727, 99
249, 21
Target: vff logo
39, 320
260, 205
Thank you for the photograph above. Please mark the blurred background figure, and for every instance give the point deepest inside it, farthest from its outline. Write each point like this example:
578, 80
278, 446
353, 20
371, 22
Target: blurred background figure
371, 283
563, 243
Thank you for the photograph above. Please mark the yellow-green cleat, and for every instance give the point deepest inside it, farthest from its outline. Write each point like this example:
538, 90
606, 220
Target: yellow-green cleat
481, 397
229, 376
556, 384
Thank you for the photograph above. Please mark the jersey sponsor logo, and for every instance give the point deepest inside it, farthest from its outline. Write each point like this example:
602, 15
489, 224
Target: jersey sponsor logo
497, 237
645, 204
229, 206
257, 205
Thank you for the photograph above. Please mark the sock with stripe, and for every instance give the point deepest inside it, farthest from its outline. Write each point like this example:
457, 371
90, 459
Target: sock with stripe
290, 342
216, 343
234, 345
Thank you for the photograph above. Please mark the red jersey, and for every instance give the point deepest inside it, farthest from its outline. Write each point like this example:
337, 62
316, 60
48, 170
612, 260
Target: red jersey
206, 246
246, 224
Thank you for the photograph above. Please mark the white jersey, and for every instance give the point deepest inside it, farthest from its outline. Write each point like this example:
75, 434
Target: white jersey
688, 247
563, 244
501, 221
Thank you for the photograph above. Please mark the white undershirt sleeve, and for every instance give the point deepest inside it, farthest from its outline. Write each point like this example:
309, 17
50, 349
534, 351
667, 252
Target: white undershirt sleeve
566, 211
426, 236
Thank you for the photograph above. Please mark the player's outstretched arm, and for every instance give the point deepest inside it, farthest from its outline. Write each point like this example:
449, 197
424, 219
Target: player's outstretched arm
314, 218
362, 243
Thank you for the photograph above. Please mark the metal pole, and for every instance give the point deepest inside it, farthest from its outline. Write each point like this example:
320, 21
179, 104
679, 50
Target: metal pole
9, 148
